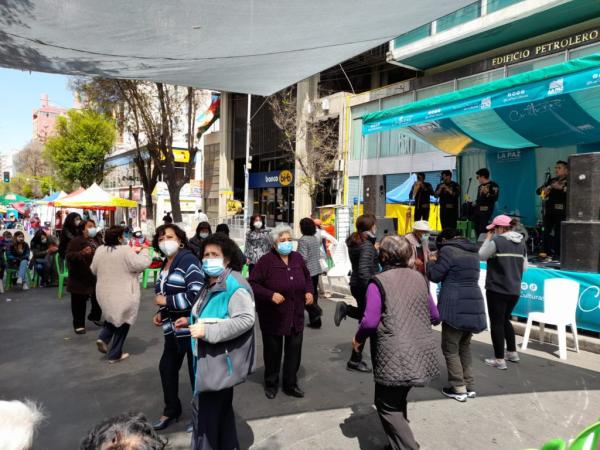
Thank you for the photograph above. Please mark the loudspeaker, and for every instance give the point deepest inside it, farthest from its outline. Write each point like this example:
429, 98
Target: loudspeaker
374, 195
386, 226
580, 246
583, 191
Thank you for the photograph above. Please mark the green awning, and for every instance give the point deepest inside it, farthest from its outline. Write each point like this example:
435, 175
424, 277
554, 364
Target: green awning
554, 106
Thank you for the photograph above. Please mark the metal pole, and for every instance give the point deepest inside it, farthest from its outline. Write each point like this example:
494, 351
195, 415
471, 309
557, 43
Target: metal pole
360, 172
247, 165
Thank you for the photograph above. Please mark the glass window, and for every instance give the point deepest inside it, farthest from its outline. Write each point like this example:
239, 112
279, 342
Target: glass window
370, 150
432, 91
413, 36
536, 64
585, 51
495, 5
481, 78
463, 15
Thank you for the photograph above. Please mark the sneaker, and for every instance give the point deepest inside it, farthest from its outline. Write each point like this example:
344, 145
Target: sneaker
25, 287
512, 357
340, 313
19, 280
497, 363
471, 394
451, 393
102, 347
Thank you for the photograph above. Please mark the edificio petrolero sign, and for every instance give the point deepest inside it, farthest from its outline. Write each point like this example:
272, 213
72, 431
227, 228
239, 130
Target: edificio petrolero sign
547, 48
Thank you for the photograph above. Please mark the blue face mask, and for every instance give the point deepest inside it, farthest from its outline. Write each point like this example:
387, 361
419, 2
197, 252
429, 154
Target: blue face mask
213, 267
285, 248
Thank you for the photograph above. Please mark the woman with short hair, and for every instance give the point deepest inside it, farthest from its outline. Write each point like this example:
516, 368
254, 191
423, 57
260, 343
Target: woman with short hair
309, 246
82, 282
203, 230
403, 350
117, 267
18, 258
282, 286
222, 333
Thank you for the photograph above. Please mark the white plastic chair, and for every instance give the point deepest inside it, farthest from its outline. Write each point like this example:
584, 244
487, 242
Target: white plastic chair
481, 283
560, 306
433, 290
341, 263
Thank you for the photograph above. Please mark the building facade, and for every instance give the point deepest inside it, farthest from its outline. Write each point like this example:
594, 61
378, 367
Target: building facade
44, 120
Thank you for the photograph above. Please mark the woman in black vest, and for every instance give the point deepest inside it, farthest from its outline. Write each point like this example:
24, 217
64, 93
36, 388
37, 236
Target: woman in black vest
506, 256
365, 264
403, 350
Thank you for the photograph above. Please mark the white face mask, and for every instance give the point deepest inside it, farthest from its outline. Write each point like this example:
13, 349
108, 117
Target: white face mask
258, 225
92, 232
169, 247
203, 235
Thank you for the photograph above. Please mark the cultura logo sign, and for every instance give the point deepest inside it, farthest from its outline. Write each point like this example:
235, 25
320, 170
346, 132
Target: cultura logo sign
533, 287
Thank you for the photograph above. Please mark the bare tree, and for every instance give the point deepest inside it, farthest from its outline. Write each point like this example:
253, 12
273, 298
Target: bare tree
32, 161
322, 136
155, 115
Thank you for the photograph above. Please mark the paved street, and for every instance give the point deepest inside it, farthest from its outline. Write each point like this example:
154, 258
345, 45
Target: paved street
538, 399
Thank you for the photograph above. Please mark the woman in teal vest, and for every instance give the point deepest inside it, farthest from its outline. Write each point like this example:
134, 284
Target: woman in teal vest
222, 327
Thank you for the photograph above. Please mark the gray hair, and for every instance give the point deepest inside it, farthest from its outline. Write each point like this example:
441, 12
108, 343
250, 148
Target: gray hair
18, 423
130, 430
396, 251
279, 230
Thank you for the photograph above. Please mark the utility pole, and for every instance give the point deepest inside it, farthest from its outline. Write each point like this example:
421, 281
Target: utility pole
248, 164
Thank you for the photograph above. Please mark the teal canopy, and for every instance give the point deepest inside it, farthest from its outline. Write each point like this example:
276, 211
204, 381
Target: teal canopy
555, 106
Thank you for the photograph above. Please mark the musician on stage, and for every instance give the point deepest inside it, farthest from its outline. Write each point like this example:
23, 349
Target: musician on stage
554, 193
487, 195
448, 192
421, 192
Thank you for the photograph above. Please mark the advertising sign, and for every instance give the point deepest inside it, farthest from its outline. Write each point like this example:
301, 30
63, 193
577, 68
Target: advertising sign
277, 178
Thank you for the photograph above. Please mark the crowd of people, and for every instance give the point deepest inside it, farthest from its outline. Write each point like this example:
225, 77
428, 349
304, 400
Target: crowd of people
207, 309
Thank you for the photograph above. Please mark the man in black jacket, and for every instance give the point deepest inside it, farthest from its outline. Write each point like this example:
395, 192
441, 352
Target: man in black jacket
554, 193
448, 192
421, 193
487, 196
461, 308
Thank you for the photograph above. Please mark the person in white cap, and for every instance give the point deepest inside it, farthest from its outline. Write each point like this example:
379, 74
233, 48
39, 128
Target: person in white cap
506, 256
419, 240
138, 239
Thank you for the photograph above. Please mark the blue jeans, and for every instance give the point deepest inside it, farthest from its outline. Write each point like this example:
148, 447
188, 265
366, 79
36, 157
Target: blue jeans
22, 270
41, 267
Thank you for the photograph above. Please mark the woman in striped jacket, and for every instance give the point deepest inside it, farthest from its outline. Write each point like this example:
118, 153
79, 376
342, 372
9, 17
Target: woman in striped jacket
309, 246
180, 281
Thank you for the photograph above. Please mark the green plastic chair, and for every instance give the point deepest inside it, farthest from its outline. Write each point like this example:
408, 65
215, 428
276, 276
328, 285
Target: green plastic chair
148, 271
588, 439
63, 274
11, 272
245, 271
466, 228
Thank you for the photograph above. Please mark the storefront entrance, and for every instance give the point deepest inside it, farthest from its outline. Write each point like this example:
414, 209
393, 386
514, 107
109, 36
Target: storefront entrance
273, 196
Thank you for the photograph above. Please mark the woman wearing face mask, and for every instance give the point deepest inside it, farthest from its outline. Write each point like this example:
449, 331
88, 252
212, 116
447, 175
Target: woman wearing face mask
82, 282
365, 264
18, 258
138, 239
70, 230
203, 230
178, 285
117, 267
419, 241
258, 242
39, 248
223, 341
282, 286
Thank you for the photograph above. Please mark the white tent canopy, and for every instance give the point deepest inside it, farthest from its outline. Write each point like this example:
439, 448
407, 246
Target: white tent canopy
248, 46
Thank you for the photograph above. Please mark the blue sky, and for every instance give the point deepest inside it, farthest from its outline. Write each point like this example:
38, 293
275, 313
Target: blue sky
20, 93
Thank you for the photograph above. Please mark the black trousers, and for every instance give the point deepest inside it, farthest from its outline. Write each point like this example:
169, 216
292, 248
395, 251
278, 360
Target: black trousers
115, 334
357, 312
552, 233
481, 221
500, 307
273, 346
448, 217
422, 213
174, 352
391, 404
214, 421
78, 307
314, 311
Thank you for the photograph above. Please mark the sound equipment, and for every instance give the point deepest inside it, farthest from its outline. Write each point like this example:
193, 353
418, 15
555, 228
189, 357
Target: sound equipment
583, 191
580, 246
374, 195
386, 226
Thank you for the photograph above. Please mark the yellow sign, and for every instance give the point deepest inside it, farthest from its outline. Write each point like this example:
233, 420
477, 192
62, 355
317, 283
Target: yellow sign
285, 177
233, 207
180, 156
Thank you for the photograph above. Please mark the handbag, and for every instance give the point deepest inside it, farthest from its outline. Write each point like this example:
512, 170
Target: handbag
324, 265
225, 364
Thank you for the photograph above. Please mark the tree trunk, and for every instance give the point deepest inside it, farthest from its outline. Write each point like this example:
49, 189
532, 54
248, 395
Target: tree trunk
174, 189
149, 206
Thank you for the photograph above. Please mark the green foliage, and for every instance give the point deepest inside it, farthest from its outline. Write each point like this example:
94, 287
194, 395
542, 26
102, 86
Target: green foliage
84, 139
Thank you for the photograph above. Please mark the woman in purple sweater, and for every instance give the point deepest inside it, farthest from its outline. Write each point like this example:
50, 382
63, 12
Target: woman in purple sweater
282, 286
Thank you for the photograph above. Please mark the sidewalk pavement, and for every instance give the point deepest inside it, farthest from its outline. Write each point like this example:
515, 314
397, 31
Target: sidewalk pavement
538, 399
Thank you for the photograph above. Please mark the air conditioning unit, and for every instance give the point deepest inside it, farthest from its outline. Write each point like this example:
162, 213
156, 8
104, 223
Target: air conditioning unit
325, 104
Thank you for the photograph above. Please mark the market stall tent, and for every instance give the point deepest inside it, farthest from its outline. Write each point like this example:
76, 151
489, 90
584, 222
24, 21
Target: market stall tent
94, 197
